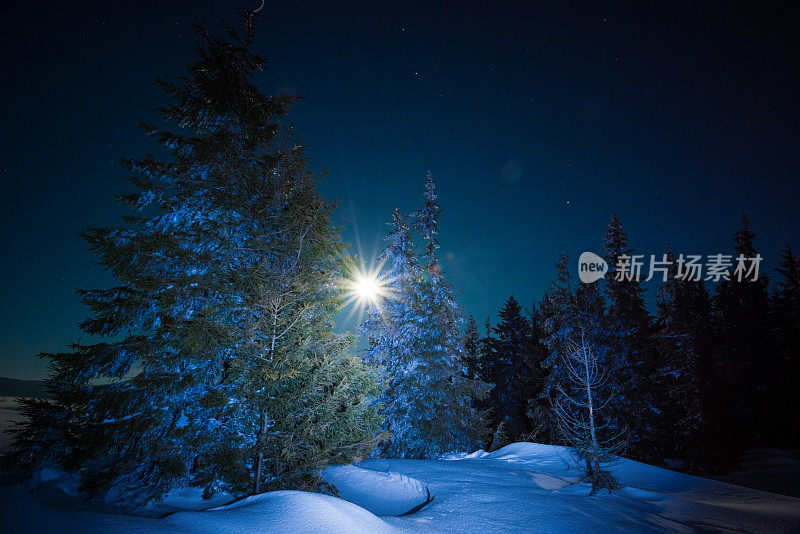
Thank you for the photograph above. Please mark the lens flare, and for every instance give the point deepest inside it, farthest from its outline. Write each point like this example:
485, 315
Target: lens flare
367, 288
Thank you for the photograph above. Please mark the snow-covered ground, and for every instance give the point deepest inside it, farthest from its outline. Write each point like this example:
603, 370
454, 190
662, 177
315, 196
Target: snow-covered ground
524, 487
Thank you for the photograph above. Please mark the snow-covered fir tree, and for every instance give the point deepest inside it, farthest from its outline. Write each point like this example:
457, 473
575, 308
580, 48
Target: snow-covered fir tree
454, 423
221, 368
414, 334
389, 327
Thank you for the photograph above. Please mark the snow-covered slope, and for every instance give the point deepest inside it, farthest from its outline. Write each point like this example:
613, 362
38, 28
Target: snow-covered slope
524, 487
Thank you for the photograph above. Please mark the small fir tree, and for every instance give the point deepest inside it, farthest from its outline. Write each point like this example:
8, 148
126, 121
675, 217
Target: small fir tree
578, 408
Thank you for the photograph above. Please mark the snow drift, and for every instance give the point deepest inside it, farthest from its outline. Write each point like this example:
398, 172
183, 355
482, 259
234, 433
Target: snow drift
283, 511
382, 493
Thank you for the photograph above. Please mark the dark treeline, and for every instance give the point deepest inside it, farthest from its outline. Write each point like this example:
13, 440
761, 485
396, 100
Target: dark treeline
707, 377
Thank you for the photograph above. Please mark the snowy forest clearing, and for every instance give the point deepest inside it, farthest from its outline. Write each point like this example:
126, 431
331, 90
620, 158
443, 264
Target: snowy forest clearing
217, 365
523, 487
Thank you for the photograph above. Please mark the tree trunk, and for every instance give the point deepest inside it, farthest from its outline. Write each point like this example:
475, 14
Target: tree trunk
260, 457
263, 429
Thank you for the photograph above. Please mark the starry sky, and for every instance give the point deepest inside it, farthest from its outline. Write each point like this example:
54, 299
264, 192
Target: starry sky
537, 123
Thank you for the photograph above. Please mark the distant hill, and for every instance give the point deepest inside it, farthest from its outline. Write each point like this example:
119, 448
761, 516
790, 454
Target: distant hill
13, 387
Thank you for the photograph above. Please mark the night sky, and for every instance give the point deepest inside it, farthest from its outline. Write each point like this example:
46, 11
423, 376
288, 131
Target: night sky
536, 123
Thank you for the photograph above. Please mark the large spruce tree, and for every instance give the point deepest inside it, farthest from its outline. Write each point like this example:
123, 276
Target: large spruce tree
452, 421
221, 367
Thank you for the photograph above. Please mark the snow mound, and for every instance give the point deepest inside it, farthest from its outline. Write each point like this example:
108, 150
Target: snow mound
53, 478
283, 511
480, 453
520, 452
525, 451
382, 493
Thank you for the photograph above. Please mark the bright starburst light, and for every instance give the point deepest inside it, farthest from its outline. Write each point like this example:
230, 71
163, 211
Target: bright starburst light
366, 287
